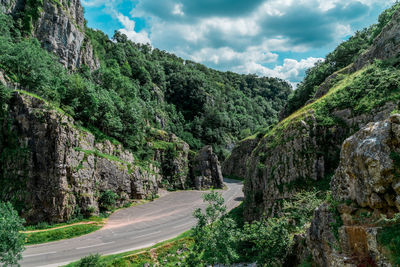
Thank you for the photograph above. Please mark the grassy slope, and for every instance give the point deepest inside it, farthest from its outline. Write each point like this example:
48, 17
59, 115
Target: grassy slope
361, 91
163, 253
61, 233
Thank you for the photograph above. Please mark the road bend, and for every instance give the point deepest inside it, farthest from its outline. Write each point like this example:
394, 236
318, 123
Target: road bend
132, 228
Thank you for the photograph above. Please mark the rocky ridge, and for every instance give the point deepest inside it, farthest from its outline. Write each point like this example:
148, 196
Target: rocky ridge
60, 28
366, 191
60, 169
302, 151
207, 170
386, 45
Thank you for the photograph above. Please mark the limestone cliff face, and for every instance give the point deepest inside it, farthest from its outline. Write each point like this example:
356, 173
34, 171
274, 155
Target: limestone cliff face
65, 169
366, 186
235, 165
385, 45
292, 158
207, 170
56, 169
60, 29
367, 173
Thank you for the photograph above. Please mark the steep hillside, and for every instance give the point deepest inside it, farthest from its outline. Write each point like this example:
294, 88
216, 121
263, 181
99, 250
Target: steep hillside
317, 80
84, 118
302, 151
127, 87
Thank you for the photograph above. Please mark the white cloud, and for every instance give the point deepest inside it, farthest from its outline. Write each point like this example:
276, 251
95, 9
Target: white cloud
178, 10
291, 69
129, 30
246, 41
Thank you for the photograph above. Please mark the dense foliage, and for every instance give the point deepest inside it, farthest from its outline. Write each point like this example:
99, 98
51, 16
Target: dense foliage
224, 238
138, 88
342, 56
11, 240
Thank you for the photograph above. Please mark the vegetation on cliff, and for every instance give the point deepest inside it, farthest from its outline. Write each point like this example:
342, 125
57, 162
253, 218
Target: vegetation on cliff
138, 87
341, 57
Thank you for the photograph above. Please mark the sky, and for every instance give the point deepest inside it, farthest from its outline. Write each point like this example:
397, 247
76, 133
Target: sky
274, 38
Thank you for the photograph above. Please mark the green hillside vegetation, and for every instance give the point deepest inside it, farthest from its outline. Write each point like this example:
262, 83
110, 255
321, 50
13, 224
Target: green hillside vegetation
138, 87
341, 57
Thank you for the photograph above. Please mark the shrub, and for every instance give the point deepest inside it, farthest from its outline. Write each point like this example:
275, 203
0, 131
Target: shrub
92, 260
11, 240
108, 200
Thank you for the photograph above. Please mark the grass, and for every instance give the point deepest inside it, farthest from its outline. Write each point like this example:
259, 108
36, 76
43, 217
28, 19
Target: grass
389, 238
46, 226
277, 131
51, 105
164, 253
61, 233
101, 155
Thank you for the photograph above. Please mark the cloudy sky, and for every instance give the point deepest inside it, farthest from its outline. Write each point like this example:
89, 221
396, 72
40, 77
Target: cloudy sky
280, 38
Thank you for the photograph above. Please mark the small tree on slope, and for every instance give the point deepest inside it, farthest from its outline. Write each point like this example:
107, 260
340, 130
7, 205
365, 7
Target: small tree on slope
11, 239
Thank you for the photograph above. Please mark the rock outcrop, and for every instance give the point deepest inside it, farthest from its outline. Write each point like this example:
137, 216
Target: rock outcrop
207, 170
366, 189
235, 165
62, 170
60, 28
386, 45
299, 154
368, 169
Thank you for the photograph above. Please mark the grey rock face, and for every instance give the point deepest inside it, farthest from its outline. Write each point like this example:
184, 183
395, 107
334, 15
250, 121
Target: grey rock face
367, 171
367, 180
235, 165
61, 30
385, 45
320, 238
66, 169
303, 152
207, 170
275, 170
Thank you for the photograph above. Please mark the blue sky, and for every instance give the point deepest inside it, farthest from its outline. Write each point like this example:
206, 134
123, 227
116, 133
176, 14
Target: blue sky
279, 38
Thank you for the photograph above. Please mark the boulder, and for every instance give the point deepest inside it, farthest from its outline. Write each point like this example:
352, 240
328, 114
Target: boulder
369, 166
207, 170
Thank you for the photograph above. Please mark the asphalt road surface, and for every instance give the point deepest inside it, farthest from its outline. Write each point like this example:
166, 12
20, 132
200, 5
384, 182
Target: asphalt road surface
132, 228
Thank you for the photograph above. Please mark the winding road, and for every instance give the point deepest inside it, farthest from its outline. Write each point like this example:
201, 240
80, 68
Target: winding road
132, 228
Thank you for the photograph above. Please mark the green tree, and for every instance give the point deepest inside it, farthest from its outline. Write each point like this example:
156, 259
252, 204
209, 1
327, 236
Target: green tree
214, 234
268, 241
11, 239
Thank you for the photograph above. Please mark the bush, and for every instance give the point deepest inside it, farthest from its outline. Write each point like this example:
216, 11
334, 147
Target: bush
266, 241
389, 237
108, 200
11, 240
92, 260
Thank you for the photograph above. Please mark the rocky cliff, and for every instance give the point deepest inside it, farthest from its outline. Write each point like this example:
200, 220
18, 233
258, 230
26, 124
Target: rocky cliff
302, 151
65, 169
207, 170
299, 154
59, 26
56, 169
385, 46
235, 165
366, 197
